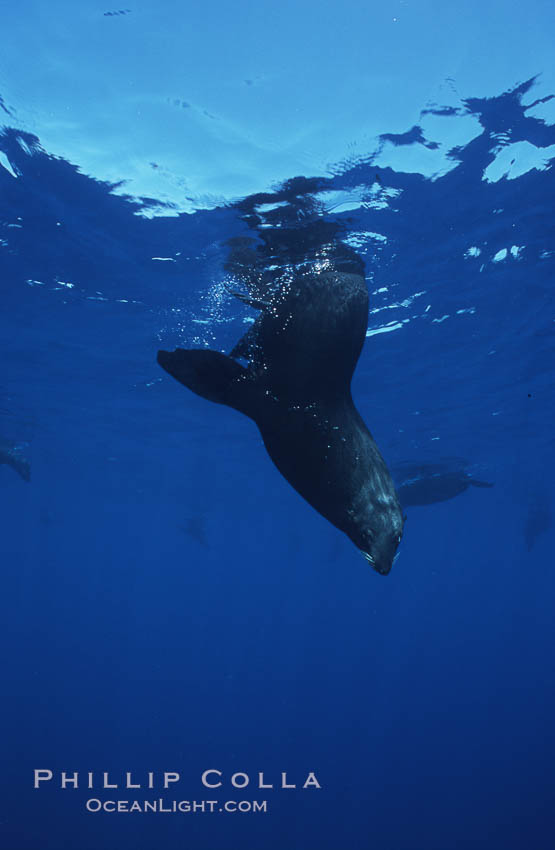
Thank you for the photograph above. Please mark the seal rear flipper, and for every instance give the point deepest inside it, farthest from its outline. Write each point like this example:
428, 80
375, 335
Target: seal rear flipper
476, 483
213, 376
23, 467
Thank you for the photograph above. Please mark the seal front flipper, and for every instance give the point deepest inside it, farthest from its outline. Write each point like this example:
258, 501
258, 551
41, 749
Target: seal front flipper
213, 376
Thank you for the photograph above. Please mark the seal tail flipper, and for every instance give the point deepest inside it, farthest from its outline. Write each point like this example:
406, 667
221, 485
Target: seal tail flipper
213, 376
477, 483
23, 467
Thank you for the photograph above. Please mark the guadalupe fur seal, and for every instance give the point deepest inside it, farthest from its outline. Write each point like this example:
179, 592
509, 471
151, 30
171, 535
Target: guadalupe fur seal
301, 353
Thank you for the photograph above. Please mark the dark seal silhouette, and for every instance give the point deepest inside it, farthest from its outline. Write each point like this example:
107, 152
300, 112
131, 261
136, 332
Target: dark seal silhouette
427, 483
13, 454
301, 353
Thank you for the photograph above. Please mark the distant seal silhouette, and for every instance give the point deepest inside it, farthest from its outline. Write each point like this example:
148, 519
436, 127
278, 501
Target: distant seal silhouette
427, 483
301, 352
13, 454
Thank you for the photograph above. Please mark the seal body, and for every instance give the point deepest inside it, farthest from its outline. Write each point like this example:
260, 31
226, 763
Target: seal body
301, 352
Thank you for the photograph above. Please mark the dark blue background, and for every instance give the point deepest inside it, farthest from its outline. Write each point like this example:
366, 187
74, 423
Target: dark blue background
170, 603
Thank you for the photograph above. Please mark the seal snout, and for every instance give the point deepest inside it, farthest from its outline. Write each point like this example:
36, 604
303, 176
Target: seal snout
382, 567
381, 562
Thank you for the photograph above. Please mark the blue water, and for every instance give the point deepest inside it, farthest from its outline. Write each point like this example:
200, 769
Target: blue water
172, 604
